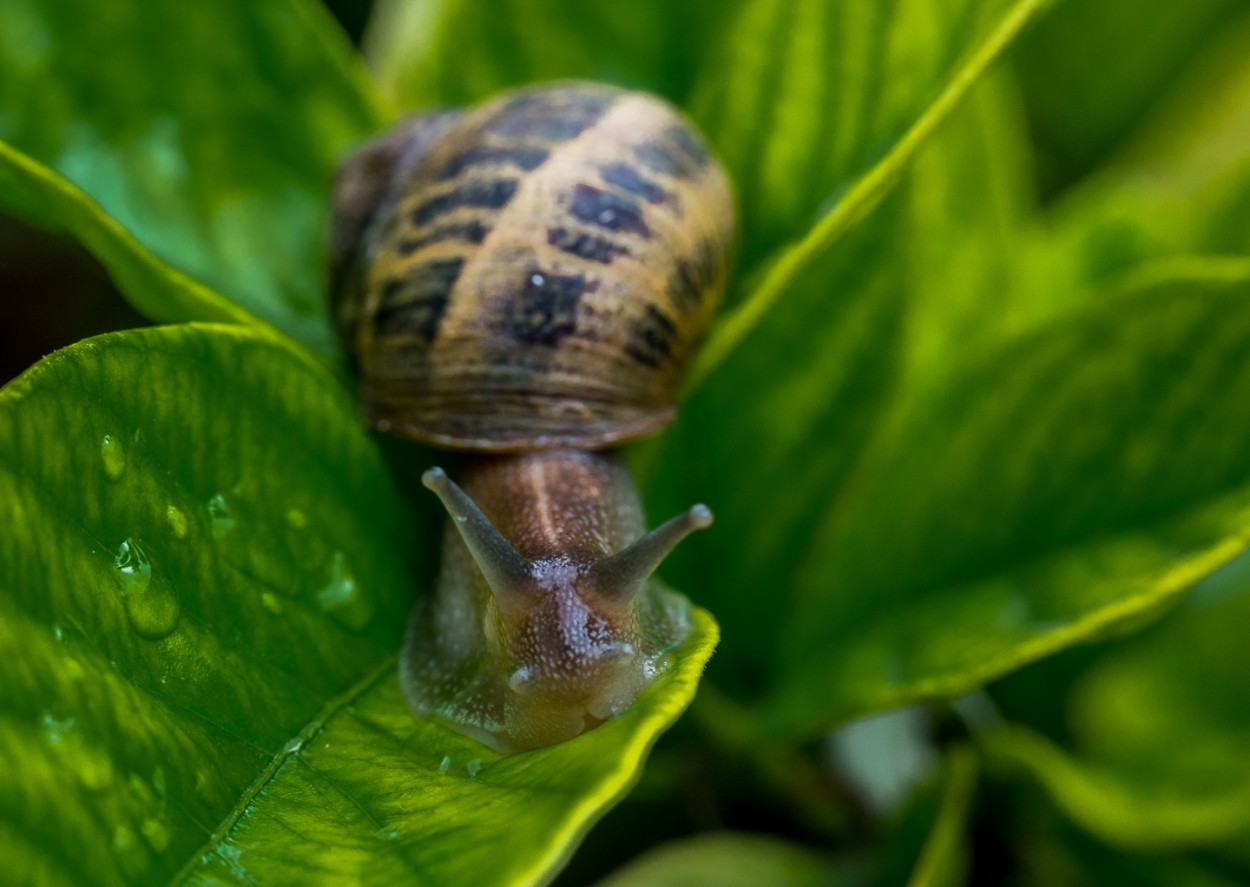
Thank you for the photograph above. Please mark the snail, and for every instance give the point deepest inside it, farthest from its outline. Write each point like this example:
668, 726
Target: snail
523, 282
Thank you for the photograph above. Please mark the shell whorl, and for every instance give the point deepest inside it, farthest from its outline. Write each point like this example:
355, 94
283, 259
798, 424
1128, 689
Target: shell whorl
538, 273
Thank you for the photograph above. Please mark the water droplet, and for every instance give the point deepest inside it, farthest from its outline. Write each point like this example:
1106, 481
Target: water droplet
133, 567
341, 597
140, 789
72, 669
58, 731
94, 768
156, 834
123, 838
60, 634
222, 521
151, 600
128, 852
232, 856
388, 833
297, 519
271, 602
537, 279
444, 765
473, 767
114, 457
177, 521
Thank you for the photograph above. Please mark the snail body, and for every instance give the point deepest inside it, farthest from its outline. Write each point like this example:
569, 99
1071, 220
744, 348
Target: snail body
524, 281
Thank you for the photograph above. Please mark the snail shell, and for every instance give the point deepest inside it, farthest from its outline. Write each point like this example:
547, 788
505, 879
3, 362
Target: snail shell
533, 273
525, 281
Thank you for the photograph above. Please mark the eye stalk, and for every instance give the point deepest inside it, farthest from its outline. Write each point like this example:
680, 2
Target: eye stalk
618, 578
507, 573
622, 575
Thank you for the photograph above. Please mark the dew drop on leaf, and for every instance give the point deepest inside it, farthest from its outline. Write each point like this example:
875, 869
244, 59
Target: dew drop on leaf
221, 520
123, 839
94, 768
57, 731
444, 765
177, 521
151, 601
387, 833
133, 567
156, 834
341, 597
92, 765
232, 856
128, 852
113, 456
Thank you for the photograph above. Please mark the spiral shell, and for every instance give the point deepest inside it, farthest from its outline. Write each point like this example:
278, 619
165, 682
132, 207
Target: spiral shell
530, 274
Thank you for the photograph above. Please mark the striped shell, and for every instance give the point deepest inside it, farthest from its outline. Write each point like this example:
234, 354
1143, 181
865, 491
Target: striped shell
532, 273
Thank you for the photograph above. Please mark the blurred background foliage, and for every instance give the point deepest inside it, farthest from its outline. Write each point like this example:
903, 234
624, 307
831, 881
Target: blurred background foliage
1106, 160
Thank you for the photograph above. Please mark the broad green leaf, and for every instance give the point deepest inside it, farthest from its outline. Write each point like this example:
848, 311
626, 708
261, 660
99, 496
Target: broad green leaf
730, 859
201, 548
1181, 187
457, 52
1082, 476
207, 571
1174, 694
865, 183
803, 97
377, 797
1084, 101
159, 290
208, 132
770, 438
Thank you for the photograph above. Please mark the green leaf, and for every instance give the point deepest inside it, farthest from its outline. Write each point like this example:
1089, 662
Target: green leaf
864, 183
1082, 476
1174, 694
375, 796
730, 859
208, 132
207, 571
1181, 187
777, 430
154, 287
1064, 58
1050, 852
801, 96
458, 52
201, 547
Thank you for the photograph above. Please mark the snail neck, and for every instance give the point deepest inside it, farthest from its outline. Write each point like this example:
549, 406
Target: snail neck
573, 514
570, 504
